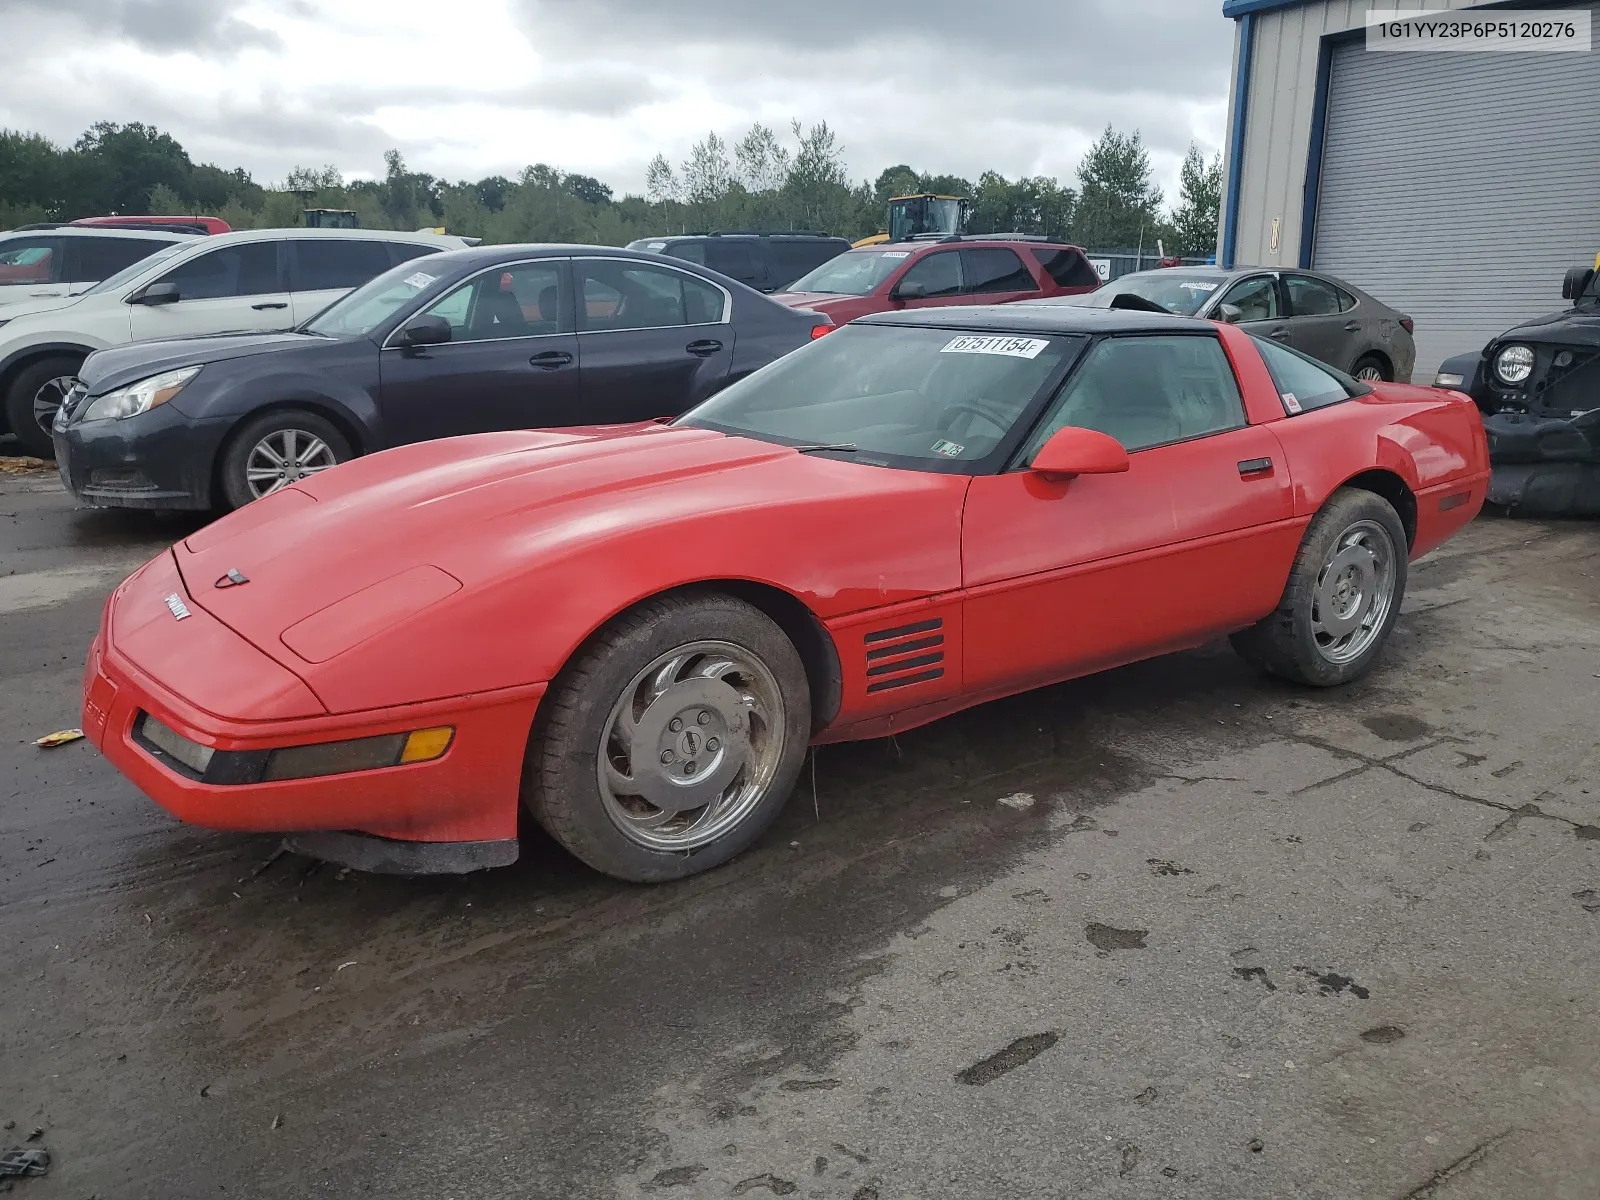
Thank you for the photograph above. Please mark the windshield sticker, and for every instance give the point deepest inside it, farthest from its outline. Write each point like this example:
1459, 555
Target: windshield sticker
1290, 402
419, 281
1011, 347
1195, 286
655, 246
948, 449
895, 254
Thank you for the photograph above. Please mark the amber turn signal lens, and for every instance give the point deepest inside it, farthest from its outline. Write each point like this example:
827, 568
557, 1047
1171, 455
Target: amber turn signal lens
427, 744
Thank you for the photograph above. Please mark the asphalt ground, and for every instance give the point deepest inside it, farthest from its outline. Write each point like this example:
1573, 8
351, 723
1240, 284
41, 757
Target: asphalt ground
1175, 930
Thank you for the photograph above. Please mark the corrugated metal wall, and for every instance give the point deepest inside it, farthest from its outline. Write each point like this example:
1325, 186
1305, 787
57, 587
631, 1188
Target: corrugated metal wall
1459, 187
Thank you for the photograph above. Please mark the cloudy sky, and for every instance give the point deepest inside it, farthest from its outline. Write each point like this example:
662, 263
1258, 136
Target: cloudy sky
477, 87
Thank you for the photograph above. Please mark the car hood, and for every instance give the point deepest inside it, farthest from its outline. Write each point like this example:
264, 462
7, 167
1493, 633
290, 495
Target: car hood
444, 539
120, 365
1570, 327
26, 306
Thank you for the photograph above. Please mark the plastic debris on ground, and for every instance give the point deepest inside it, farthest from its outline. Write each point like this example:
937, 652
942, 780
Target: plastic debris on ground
59, 738
35, 1160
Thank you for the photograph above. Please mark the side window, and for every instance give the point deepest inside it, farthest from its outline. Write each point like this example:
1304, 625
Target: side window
1346, 300
694, 252
1310, 297
89, 260
1256, 298
323, 264
624, 295
1147, 391
734, 260
29, 260
523, 300
405, 251
250, 269
995, 269
939, 274
1303, 383
794, 259
1067, 268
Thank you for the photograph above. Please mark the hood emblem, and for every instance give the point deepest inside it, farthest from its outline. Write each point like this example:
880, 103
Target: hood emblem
180, 610
233, 578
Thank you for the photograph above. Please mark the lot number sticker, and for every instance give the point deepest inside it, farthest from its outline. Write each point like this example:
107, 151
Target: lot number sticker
1011, 347
419, 281
1195, 286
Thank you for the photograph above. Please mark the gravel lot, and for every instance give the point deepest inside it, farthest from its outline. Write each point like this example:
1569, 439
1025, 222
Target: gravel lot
1171, 931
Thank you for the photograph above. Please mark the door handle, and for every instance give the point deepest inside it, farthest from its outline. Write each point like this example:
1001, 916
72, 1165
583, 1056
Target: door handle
551, 359
1352, 326
1279, 335
1252, 467
704, 348
270, 304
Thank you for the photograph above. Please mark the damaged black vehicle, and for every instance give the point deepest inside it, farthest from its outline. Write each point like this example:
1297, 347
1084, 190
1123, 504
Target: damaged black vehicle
1538, 387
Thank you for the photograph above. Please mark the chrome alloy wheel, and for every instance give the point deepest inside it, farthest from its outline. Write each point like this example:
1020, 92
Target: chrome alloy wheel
691, 746
48, 399
1370, 374
284, 456
1354, 592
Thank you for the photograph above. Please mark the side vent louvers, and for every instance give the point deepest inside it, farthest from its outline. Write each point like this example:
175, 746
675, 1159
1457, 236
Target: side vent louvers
904, 655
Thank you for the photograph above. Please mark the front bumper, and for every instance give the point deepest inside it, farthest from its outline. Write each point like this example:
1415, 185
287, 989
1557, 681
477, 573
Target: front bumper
159, 459
468, 797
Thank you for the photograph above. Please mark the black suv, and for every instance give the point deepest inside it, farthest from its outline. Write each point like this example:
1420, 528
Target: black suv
1538, 386
768, 262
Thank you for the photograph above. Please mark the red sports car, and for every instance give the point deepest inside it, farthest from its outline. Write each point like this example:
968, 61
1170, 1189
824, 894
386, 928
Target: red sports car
635, 632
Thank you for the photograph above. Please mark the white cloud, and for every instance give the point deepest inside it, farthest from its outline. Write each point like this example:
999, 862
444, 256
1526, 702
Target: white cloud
598, 86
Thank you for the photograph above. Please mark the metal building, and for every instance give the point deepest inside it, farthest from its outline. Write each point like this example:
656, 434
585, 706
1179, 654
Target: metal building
1456, 187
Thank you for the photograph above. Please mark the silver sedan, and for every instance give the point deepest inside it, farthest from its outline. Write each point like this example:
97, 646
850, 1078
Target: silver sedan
1315, 313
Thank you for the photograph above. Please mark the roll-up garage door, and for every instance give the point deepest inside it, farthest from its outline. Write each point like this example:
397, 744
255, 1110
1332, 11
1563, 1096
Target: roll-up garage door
1459, 187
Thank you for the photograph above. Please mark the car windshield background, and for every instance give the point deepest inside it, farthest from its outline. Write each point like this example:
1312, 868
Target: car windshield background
855, 273
1303, 383
126, 276
930, 399
1146, 391
26, 260
358, 313
1173, 290
521, 300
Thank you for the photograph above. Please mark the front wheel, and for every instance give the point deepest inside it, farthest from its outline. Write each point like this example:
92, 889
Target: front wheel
1370, 368
277, 449
673, 741
1342, 598
33, 399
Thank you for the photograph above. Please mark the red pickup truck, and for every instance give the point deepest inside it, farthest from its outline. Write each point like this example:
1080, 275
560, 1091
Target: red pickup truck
975, 269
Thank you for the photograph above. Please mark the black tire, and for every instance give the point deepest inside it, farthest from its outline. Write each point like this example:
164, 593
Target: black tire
233, 471
1373, 362
1286, 642
20, 401
561, 773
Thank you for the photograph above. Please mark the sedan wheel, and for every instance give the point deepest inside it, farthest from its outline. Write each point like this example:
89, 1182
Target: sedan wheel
1369, 368
47, 401
671, 742
284, 457
35, 394
1342, 598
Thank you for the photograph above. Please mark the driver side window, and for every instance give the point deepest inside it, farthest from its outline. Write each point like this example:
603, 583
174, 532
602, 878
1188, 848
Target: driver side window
939, 274
1256, 299
1147, 391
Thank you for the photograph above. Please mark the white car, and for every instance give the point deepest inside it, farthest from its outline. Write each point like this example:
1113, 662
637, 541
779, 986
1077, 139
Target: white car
50, 264
252, 281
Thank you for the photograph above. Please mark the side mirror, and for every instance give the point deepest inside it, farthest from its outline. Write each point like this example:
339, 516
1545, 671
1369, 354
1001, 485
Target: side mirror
1229, 313
1575, 281
158, 293
910, 291
1075, 451
424, 331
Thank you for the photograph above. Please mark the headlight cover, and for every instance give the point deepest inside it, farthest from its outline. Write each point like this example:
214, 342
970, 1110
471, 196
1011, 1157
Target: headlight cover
140, 397
1447, 379
1514, 364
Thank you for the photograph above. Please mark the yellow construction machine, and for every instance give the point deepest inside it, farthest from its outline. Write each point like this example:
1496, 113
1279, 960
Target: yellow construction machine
923, 215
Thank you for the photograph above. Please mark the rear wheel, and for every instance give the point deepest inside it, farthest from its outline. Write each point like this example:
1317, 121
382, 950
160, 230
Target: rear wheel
1342, 598
1371, 368
673, 741
34, 397
277, 449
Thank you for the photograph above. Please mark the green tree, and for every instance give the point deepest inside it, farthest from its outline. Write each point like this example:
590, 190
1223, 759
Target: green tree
117, 165
1118, 204
1194, 220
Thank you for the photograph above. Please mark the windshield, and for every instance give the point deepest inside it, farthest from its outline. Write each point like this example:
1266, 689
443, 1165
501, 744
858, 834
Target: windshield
129, 273
899, 395
360, 312
853, 273
1175, 291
